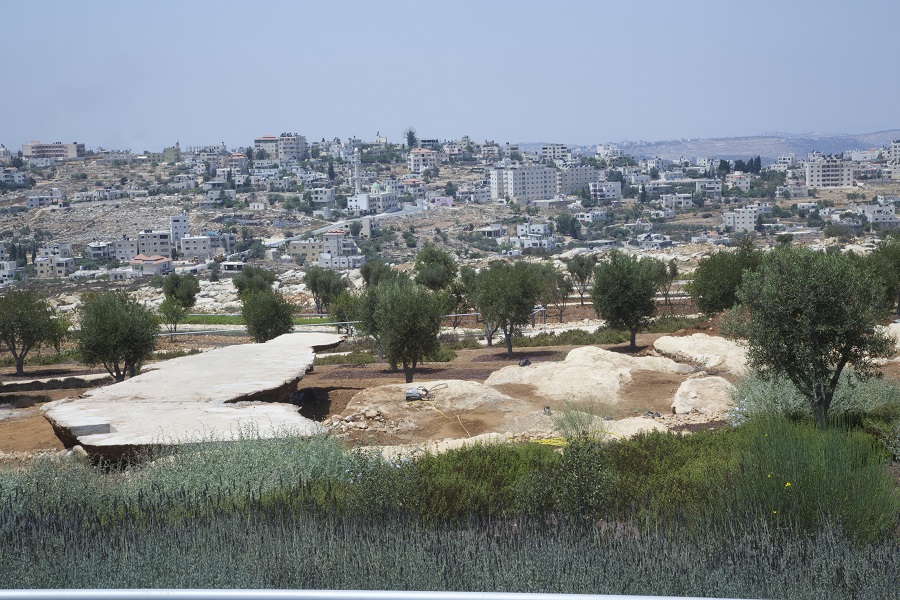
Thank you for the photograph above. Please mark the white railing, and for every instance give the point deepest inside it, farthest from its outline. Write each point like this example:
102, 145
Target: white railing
217, 594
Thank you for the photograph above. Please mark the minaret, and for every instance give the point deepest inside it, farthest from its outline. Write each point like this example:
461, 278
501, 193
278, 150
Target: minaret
356, 170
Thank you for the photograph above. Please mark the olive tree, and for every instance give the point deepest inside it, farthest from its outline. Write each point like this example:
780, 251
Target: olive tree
26, 323
435, 268
624, 290
408, 320
581, 268
325, 285
267, 314
807, 316
253, 279
182, 288
505, 295
719, 275
117, 332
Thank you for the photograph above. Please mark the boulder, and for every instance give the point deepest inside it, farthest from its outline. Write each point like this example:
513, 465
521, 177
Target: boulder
711, 352
707, 395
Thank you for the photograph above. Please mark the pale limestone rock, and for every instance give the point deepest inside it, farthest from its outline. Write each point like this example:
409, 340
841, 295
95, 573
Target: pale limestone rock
712, 352
707, 395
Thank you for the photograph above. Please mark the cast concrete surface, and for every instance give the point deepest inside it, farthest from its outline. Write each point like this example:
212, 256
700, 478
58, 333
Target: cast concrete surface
221, 394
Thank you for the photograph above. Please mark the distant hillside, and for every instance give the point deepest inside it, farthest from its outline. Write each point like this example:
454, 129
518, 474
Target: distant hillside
769, 146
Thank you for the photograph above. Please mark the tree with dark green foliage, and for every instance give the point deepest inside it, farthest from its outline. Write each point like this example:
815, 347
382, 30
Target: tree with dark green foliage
325, 285
505, 295
568, 225
375, 271
355, 228
885, 260
183, 289
435, 268
267, 314
215, 270
253, 279
554, 288
581, 268
624, 288
450, 189
408, 318
411, 140
117, 332
719, 275
331, 173
808, 315
26, 323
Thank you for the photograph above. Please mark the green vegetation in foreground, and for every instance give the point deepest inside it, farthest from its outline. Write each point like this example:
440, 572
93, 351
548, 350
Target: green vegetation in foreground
770, 509
238, 320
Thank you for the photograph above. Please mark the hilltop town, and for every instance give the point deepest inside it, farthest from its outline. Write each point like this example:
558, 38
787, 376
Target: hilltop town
68, 213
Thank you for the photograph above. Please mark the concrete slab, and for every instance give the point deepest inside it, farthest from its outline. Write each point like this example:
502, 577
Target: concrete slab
221, 394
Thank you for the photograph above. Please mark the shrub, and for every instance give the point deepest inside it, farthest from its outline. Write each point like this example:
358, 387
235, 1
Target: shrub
794, 474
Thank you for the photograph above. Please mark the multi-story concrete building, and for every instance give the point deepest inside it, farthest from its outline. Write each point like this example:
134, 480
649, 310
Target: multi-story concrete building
674, 201
322, 195
421, 159
7, 271
570, 180
523, 183
56, 150
60, 250
605, 191
124, 249
178, 228
558, 153
307, 251
14, 176
829, 172
197, 246
879, 216
54, 198
741, 219
287, 146
48, 267
152, 243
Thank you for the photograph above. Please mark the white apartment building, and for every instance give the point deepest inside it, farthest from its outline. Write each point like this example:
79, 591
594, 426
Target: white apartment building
421, 159
3, 254
893, 153
291, 146
60, 250
711, 187
879, 216
523, 183
197, 246
123, 250
556, 152
55, 197
605, 191
569, 180
98, 250
829, 172
152, 243
741, 219
739, 180
589, 217
267, 144
178, 228
13, 176
7, 270
674, 201
524, 229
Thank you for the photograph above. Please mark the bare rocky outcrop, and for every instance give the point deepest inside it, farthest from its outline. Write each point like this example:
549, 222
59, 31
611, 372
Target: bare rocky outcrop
221, 394
710, 396
712, 353
587, 374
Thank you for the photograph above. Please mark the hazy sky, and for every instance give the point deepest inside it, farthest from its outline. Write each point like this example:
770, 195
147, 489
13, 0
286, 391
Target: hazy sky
141, 75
